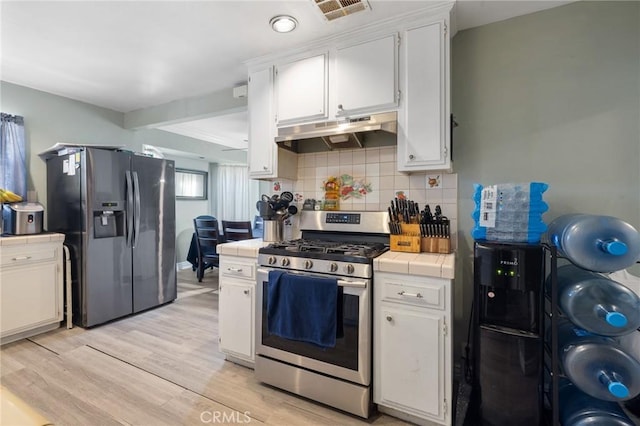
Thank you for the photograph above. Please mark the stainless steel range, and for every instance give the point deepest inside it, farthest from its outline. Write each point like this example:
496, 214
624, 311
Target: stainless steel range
334, 259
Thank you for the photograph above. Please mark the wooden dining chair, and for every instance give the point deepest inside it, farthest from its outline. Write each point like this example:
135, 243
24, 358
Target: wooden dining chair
207, 236
237, 230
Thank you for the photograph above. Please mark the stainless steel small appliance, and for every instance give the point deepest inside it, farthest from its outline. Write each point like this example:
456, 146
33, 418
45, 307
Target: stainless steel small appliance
22, 218
336, 246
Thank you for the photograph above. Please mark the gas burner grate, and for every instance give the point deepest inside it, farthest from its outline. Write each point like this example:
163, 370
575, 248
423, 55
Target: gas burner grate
334, 248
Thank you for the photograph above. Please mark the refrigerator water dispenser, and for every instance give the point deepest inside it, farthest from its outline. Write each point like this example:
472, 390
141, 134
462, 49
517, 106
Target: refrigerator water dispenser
108, 224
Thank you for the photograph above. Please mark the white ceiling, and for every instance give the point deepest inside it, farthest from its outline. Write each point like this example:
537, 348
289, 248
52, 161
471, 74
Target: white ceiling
131, 55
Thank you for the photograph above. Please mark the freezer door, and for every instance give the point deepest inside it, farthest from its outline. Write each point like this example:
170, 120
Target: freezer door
107, 280
154, 254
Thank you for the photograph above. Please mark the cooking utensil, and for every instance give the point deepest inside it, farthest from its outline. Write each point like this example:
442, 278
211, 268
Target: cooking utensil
286, 196
264, 210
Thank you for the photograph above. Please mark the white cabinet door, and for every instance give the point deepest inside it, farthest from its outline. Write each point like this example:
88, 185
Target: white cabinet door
423, 119
30, 297
412, 361
366, 77
236, 318
266, 160
262, 148
301, 90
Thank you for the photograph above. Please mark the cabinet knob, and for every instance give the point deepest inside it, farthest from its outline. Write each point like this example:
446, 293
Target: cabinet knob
389, 318
246, 292
265, 168
340, 107
411, 156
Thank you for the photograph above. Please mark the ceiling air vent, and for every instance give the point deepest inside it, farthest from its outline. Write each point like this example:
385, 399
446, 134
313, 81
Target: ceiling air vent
334, 9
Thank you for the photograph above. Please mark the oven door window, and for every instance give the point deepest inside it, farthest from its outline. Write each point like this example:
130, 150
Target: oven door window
344, 354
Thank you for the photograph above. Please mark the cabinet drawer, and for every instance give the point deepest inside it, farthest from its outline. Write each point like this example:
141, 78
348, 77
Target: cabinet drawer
428, 295
238, 269
26, 254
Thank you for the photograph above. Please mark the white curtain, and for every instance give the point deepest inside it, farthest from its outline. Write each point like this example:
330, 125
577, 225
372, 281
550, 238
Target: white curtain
236, 195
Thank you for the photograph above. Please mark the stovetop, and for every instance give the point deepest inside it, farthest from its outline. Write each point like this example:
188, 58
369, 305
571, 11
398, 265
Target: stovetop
327, 250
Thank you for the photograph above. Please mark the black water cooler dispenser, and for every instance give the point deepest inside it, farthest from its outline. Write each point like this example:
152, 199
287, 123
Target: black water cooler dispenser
508, 327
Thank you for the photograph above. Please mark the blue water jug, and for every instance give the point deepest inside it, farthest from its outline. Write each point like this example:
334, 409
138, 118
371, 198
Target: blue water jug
579, 409
596, 303
595, 243
597, 364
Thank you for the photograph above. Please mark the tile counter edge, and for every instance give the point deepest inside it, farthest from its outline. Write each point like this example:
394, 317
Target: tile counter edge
420, 264
245, 248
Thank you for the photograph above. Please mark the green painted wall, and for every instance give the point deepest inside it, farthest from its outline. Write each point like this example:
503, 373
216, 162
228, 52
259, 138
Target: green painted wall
554, 97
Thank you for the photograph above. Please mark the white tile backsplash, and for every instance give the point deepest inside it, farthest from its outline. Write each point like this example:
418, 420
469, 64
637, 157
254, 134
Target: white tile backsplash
401, 182
321, 159
387, 154
359, 157
373, 155
388, 169
333, 158
377, 167
359, 171
416, 182
346, 158
373, 169
450, 181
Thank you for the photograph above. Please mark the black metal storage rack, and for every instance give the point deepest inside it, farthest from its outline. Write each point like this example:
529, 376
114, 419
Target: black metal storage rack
551, 367
551, 314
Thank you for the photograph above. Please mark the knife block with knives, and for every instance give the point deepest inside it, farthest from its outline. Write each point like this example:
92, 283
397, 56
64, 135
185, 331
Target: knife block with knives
416, 231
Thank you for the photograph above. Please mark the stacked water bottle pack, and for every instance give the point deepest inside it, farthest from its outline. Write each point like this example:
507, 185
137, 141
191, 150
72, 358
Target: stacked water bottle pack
510, 212
599, 340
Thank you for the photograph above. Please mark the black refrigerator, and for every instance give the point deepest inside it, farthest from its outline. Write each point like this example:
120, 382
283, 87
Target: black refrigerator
508, 334
117, 211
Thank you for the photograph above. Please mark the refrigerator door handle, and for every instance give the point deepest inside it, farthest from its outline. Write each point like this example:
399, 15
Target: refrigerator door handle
129, 208
136, 210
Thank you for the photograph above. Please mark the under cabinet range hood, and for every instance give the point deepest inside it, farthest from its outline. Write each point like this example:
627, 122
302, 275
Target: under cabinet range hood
369, 131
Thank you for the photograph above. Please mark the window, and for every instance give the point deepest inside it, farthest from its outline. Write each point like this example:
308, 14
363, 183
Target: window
191, 184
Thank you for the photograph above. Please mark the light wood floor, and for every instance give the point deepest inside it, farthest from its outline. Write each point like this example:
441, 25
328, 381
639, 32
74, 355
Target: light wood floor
161, 367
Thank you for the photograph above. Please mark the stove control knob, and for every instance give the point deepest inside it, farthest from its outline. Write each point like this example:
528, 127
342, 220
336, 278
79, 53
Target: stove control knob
272, 260
349, 269
308, 264
285, 261
333, 267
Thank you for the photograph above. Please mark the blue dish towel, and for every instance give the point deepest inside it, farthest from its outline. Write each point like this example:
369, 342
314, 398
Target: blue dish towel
302, 308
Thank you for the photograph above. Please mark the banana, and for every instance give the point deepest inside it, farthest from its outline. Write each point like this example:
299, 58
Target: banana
7, 196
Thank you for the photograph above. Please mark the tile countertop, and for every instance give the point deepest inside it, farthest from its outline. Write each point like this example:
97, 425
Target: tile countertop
245, 248
425, 264
44, 237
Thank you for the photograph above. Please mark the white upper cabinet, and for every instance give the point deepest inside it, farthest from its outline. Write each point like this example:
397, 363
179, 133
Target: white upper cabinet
366, 77
423, 120
397, 65
301, 90
261, 125
266, 160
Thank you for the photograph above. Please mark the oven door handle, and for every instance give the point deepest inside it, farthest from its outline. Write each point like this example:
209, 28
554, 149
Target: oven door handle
341, 283
346, 283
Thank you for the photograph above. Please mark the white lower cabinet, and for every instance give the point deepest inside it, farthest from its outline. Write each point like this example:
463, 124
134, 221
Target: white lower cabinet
30, 286
237, 307
412, 347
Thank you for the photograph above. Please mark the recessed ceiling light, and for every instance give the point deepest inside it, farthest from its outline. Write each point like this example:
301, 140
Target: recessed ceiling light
283, 23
